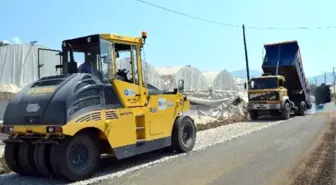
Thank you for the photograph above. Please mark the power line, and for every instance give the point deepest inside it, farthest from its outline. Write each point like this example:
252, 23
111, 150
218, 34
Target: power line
293, 28
233, 25
187, 15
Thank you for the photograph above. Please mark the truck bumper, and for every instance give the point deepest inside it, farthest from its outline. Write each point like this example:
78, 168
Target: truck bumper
263, 106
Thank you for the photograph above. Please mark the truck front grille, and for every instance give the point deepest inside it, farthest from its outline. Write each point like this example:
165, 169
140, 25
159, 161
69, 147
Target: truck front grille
264, 96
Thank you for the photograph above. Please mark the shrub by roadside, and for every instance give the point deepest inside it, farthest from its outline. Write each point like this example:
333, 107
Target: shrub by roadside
3, 166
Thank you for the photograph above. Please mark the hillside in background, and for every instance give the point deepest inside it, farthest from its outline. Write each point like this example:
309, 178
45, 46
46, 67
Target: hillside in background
320, 78
253, 72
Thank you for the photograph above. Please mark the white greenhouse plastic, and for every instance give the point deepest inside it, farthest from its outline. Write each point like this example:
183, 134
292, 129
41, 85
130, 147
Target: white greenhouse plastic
19, 64
221, 80
241, 84
194, 80
151, 75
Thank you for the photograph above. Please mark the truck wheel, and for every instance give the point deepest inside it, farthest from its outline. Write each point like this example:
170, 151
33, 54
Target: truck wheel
302, 109
11, 156
76, 158
253, 115
26, 159
184, 135
285, 113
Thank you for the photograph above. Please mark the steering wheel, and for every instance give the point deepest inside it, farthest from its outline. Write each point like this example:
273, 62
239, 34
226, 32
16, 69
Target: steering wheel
122, 73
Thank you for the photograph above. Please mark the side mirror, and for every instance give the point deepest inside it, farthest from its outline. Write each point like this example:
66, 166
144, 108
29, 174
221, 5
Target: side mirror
245, 85
103, 59
180, 86
281, 83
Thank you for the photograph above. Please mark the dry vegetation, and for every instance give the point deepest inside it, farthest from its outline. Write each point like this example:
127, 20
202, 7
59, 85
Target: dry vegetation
220, 122
3, 166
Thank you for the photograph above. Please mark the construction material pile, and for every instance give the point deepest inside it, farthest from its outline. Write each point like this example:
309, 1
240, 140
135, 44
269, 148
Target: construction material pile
7, 92
216, 106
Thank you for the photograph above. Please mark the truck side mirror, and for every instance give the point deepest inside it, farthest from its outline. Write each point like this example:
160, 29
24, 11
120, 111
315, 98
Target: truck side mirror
245, 85
281, 83
104, 59
180, 86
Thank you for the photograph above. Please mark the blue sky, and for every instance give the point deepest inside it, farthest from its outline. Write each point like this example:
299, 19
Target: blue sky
174, 40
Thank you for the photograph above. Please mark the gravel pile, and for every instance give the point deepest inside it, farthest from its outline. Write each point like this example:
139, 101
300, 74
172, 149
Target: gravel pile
113, 168
2, 148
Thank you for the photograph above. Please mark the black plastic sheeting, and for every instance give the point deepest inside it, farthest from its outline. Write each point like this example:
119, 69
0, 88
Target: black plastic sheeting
322, 94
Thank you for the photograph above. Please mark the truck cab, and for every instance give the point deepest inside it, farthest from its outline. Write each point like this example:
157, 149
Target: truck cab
266, 94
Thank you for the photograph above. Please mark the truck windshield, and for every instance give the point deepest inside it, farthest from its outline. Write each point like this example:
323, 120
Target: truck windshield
264, 83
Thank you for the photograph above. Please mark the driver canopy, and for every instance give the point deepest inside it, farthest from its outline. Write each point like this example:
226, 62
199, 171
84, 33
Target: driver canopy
100, 55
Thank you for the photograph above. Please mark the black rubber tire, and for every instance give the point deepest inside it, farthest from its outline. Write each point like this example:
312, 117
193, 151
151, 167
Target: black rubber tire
177, 135
285, 112
26, 159
60, 158
253, 115
302, 109
42, 160
11, 156
54, 158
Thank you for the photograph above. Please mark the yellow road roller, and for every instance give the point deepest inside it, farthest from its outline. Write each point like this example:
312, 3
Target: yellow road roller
58, 126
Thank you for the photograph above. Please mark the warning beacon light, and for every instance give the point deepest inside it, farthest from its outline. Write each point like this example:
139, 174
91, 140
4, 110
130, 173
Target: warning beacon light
144, 35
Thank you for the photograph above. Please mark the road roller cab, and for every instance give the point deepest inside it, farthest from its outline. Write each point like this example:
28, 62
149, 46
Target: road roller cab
99, 103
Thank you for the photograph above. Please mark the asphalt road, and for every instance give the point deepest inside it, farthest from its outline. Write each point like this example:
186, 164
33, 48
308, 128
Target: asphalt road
267, 157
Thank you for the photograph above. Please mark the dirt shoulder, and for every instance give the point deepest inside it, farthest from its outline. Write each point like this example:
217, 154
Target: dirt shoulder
317, 164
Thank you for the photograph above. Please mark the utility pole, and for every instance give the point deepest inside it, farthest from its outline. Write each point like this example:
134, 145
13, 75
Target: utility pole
316, 81
325, 77
334, 79
246, 58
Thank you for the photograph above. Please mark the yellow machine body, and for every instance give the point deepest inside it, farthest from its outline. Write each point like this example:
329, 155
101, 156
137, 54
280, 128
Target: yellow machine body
143, 120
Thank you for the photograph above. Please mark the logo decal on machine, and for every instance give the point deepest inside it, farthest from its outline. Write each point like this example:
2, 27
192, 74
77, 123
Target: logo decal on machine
41, 90
170, 103
129, 92
152, 110
32, 107
162, 104
126, 113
